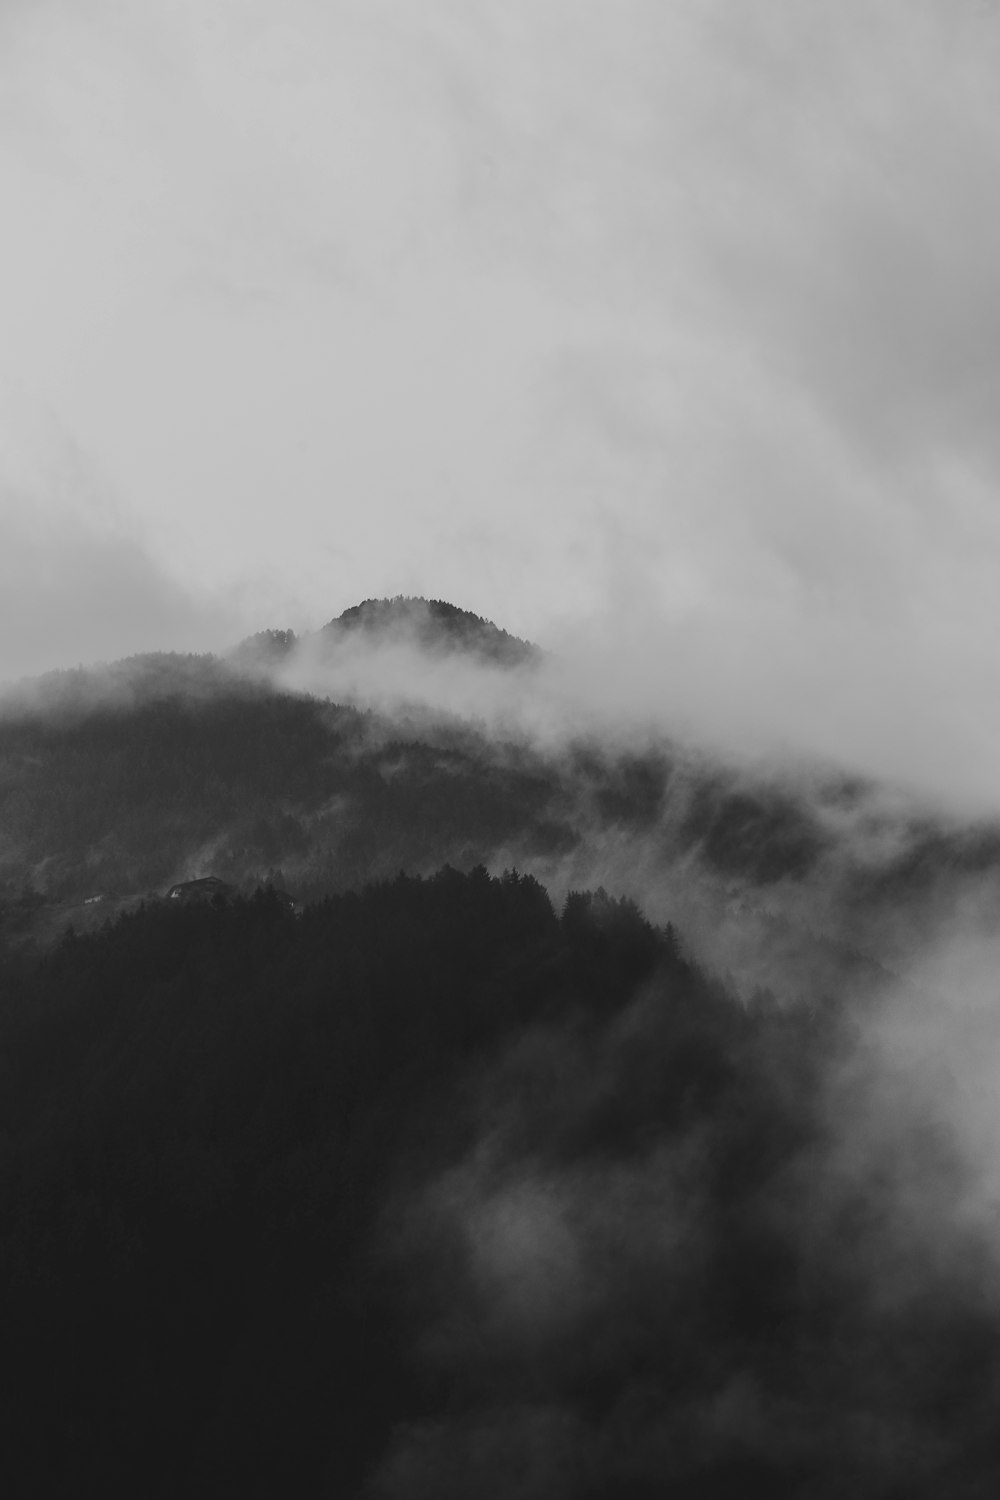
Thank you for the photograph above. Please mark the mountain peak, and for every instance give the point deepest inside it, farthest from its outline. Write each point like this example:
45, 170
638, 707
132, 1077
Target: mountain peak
433, 625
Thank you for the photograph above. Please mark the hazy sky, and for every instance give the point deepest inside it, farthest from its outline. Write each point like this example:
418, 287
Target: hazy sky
666, 327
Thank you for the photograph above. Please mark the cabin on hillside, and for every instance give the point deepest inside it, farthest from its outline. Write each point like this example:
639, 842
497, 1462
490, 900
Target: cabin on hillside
204, 889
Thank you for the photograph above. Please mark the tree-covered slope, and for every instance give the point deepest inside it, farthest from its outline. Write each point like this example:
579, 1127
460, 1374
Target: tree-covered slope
433, 625
123, 799
117, 782
434, 1192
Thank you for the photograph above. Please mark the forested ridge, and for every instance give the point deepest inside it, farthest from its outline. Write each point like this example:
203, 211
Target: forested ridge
116, 783
434, 625
120, 782
117, 800
434, 1191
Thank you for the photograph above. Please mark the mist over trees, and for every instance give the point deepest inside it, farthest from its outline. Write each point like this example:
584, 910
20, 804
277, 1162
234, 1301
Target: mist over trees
119, 799
434, 1191
545, 1144
117, 782
433, 625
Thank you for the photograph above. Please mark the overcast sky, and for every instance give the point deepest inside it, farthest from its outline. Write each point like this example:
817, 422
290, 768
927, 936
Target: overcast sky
666, 327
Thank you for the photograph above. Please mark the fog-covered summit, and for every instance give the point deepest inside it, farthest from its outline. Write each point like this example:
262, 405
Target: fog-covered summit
434, 625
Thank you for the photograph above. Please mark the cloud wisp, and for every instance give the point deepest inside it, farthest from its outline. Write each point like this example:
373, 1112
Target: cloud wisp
668, 327
620, 1293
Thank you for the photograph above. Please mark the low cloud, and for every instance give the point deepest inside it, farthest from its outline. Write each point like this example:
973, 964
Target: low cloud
558, 1270
70, 595
78, 581
662, 336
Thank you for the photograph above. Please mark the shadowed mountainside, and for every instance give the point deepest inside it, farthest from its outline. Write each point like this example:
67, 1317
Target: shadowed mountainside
468, 1183
121, 780
433, 1192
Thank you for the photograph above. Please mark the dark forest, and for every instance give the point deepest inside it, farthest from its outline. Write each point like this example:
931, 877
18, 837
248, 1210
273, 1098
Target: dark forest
434, 1191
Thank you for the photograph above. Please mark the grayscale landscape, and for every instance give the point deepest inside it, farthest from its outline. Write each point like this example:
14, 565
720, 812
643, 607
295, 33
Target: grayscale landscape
499, 750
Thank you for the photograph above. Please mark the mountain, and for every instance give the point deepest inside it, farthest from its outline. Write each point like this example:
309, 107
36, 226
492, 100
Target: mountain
486, 1113
118, 782
433, 626
435, 1191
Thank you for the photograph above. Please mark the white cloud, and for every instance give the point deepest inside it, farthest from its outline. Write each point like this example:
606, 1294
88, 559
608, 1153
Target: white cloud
670, 325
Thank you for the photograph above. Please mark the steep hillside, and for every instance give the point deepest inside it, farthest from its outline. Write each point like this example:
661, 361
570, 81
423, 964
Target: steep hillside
478, 1180
119, 781
436, 1191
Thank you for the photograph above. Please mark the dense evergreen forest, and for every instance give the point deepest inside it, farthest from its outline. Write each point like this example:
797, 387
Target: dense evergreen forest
434, 1191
